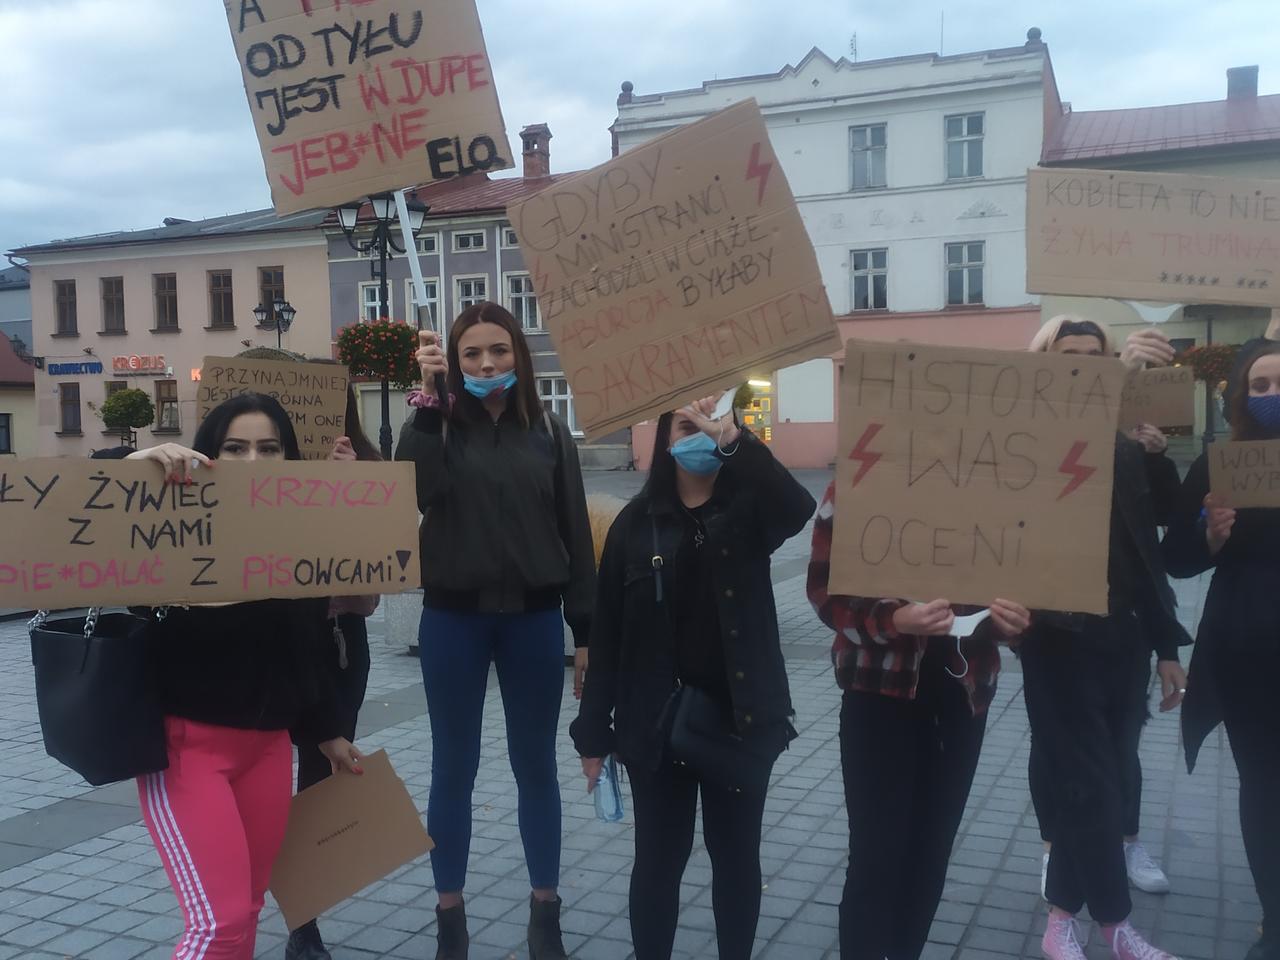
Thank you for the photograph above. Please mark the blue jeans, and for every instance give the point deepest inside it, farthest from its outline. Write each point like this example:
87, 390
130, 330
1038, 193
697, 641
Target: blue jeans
456, 650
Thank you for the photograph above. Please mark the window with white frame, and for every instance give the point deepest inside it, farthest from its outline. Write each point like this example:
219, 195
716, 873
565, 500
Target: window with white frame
509, 238
557, 398
869, 145
870, 279
469, 241
433, 301
964, 145
6, 433
522, 301
428, 244
468, 291
371, 303
965, 262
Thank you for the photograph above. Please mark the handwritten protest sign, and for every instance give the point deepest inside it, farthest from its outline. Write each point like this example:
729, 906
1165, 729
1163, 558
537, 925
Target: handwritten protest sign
314, 394
674, 270
358, 97
113, 532
970, 475
1163, 397
1165, 237
1246, 473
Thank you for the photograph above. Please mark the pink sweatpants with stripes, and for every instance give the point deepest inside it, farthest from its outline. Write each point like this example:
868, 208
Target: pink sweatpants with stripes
218, 817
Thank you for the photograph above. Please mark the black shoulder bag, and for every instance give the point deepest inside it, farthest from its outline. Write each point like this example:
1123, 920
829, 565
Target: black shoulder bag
702, 737
97, 695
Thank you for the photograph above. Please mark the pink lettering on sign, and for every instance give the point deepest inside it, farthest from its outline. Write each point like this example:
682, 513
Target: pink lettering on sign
314, 492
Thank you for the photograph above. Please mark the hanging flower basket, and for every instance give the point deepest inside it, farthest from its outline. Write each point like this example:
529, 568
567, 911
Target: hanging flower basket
1212, 364
381, 349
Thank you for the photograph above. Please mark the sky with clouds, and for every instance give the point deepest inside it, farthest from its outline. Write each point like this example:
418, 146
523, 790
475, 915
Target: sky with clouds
114, 115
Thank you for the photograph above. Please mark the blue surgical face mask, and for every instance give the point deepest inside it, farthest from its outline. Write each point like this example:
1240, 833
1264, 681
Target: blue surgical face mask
483, 387
1266, 413
697, 454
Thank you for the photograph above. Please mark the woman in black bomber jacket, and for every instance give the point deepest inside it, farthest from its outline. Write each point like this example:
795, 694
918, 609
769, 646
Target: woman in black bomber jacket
505, 542
715, 507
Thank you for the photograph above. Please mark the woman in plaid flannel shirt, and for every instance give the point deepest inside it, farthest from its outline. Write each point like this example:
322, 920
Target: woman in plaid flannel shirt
911, 728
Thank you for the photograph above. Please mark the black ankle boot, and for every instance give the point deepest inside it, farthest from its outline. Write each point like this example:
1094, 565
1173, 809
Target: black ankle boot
305, 944
544, 930
451, 933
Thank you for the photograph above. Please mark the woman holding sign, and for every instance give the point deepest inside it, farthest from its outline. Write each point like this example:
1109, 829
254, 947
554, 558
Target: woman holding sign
1237, 653
688, 685
348, 662
912, 722
1085, 681
506, 541
234, 679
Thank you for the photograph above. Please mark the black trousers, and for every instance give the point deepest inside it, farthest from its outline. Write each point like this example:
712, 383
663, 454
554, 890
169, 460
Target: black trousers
313, 766
666, 806
1253, 728
1040, 773
1083, 706
908, 767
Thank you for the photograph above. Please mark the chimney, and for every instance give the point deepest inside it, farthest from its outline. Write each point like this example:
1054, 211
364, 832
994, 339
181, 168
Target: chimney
1242, 83
536, 139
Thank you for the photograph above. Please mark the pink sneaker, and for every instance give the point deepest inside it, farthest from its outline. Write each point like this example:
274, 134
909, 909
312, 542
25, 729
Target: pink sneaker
1061, 941
1127, 944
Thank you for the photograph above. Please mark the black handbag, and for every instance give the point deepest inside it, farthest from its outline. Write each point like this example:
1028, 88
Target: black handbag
701, 735
97, 696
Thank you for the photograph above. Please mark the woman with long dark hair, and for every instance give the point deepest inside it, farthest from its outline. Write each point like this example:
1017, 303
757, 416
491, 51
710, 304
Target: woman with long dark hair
348, 662
685, 641
234, 679
506, 543
1237, 651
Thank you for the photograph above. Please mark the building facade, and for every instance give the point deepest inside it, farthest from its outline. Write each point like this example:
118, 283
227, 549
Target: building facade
142, 309
910, 175
1237, 136
15, 307
468, 253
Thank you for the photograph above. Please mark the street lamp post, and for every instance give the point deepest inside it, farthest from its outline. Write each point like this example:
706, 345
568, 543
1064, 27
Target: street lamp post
284, 314
383, 242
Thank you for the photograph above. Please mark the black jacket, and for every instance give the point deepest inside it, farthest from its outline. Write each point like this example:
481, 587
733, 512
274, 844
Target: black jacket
1240, 627
505, 527
756, 507
251, 666
1144, 496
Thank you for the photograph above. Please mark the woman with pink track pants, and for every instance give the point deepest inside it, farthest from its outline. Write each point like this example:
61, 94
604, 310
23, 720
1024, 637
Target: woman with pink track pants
234, 679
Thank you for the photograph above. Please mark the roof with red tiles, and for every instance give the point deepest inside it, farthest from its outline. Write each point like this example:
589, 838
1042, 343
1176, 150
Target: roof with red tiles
14, 371
477, 193
1096, 134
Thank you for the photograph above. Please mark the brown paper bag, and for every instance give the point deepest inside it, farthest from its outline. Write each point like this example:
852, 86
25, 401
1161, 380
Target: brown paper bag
344, 834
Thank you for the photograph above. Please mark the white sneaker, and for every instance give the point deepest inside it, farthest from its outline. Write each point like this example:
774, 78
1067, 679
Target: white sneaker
1144, 873
1044, 878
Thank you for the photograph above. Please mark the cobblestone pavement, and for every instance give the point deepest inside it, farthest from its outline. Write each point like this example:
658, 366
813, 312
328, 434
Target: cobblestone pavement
79, 877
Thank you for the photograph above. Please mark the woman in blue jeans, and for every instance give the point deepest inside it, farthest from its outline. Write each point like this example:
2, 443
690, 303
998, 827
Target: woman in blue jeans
506, 543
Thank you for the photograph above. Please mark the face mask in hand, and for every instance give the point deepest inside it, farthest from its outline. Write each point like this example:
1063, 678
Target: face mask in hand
697, 454
483, 387
1266, 413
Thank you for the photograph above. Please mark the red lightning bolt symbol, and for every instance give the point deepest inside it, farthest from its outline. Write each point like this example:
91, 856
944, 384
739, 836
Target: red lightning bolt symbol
1074, 469
865, 457
757, 169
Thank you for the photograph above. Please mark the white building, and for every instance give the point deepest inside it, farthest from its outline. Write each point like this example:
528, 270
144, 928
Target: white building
910, 175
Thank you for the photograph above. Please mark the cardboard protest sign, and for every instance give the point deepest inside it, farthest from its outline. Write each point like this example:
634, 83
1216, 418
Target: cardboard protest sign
675, 270
345, 833
1166, 237
1163, 397
357, 97
1245, 473
970, 475
314, 394
112, 532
